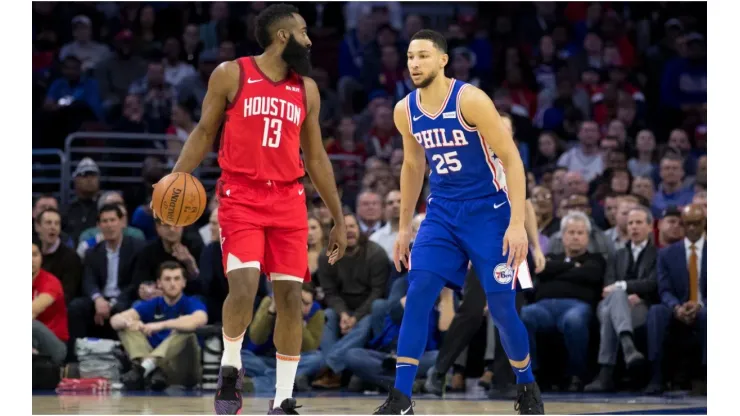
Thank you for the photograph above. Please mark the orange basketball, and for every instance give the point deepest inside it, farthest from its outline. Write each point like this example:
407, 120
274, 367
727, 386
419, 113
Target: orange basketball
179, 199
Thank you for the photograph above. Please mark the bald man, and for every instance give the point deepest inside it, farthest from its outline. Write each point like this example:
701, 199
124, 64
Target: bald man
682, 285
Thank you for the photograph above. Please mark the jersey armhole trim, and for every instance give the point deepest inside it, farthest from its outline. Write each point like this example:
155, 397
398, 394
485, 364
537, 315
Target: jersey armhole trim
303, 93
241, 84
408, 115
458, 109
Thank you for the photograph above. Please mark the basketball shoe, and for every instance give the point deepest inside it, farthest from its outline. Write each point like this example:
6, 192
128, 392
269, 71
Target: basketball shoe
229, 391
396, 404
529, 400
287, 407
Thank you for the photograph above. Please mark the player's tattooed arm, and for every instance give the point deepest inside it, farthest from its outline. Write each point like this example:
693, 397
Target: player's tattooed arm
413, 168
223, 83
320, 170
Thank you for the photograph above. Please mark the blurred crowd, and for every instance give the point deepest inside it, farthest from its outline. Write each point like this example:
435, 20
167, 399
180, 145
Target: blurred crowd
608, 109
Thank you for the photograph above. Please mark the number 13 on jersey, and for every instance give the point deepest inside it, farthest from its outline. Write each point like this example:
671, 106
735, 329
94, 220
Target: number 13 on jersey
447, 162
271, 135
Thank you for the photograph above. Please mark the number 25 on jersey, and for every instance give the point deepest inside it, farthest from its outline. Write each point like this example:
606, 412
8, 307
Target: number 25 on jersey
447, 162
271, 135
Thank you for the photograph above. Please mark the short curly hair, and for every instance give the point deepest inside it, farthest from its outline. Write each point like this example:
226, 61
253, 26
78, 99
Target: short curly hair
267, 18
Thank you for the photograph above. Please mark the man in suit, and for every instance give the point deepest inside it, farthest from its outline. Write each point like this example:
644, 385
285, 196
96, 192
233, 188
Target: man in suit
682, 285
106, 281
565, 295
631, 286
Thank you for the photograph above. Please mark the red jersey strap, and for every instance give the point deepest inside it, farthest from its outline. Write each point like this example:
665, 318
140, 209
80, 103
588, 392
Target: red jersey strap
237, 96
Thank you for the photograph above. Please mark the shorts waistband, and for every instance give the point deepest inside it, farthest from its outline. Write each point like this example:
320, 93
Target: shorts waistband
267, 183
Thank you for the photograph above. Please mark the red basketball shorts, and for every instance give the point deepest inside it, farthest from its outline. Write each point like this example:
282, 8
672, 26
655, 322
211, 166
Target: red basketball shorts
264, 222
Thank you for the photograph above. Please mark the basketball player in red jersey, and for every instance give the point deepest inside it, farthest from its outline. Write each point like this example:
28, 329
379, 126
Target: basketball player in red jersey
270, 111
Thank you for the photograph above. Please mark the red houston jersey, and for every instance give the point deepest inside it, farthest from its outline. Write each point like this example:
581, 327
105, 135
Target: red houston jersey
262, 127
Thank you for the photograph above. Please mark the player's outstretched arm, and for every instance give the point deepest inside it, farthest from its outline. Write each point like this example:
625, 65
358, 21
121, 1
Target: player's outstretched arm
224, 79
320, 170
478, 110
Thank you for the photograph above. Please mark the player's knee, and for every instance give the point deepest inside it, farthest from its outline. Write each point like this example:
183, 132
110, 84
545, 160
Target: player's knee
288, 298
243, 284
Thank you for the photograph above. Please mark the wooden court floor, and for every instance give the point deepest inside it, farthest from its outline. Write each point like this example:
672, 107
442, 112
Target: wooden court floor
116, 403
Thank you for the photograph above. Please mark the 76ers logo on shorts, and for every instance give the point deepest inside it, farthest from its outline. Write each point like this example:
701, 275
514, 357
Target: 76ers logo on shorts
503, 273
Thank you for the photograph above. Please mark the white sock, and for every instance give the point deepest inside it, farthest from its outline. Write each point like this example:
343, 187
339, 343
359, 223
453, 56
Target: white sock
287, 366
149, 365
233, 351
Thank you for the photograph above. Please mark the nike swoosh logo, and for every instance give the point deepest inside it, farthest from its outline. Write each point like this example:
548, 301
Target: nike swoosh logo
416, 118
253, 81
403, 412
300, 192
496, 206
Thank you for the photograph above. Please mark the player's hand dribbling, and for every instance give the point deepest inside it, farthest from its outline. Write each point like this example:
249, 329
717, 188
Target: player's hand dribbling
401, 251
337, 243
516, 244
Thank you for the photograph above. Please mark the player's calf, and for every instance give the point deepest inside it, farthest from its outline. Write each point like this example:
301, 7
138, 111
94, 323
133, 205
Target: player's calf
515, 340
288, 334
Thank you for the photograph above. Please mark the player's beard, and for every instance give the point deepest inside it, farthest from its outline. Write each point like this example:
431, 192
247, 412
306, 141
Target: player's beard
297, 56
426, 81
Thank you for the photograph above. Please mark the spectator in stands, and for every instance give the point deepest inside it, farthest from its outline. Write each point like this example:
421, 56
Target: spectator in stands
678, 141
315, 244
351, 54
670, 229
383, 137
575, 184
671, 190
191, 44
597, 241
684, 79
547, 154
619, 235
147, 31
89, 52
631, 286
195, 86
566, 293
351, 285
116, 73
644, 187
386, 235
108, 274
49, 312
172, 245
643, 164
82, 213
93, 235
376, 364
43, 203
701, 173
132, 117
330, 104
700, 198
591, 56
58, 259
585, 158
543, 207
72, 99
353, 153
209, 31
682, 284
157, 95
369, 212
183, 123
611, 205
258, 354
158, 335
175, 70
